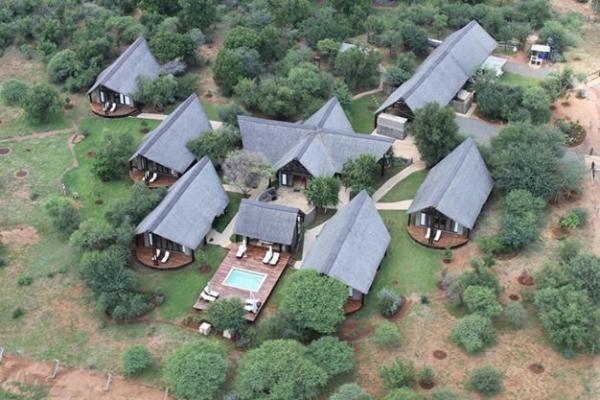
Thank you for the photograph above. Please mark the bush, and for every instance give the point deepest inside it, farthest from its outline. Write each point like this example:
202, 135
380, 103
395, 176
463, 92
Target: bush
498, 101
427, 377
24, 280
386, 334
473, 332
568, 251
93, 234
112, 156
358, 67
18, 313
482, 300
389, 302
63, 65
361, 173
435, 132
136, 359
64, 216
167, 46
444, 394
13, 92
516, 315
234, 64
399, 374
227, 314
486, 380
480, 277
350, 391
332, 355
520, 219
403, 394
196, 371
576, 218
42, 103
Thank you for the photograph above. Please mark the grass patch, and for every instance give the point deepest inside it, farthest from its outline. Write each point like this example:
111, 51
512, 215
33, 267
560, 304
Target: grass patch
405, 189
397, 166
180, 287
234, 204
90, 189
321, 217
212, 109
361, 112
408, 267
518, 80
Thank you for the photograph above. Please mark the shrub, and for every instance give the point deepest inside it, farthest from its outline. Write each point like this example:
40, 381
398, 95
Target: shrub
196, 371
63, 214
63, 65
480, 277
473, 332
112, 156
498, 101
24, 280
427, 377
398, 374
18, 313
389, 302
167, 46
227, 314
435, 132
42, 103
516, 315
403, 394
486, 380
13, 92
358, 67
568, 251
482, 300
576, 218
386, 334
447, 255
93, 234
136, 359
452, 288
350, 391
332, 355
520, 219
444, 394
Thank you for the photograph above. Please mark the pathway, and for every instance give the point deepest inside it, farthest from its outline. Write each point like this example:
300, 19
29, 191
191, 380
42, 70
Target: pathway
525, 70
394, 180
38, 135
481, 131
398, 205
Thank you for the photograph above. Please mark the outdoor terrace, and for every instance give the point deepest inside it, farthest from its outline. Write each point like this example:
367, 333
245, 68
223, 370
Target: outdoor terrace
163, 180
447, 240
176, 259
252, 262
120, 111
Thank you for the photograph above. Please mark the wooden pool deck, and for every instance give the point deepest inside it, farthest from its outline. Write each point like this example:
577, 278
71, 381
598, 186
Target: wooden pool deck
252, 262
163, 180
447, 239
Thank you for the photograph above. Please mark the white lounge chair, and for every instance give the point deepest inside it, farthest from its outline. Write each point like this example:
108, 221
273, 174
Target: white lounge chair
428, 234
249, 302
153, 177
207, 297
166, 257
268, 256
114, 107
209, 292
253, 308
274, 259
241, 250
105, 106
438, 234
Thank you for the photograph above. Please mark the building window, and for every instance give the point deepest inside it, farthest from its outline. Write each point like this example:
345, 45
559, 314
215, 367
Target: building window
423, 219
150, 239
455, 227
284, 179
122, 98
102, 97
128, 100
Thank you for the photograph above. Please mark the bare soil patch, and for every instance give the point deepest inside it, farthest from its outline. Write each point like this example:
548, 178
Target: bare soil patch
91, 153
22, 173
20, 236
77, 138
525, 279
4, 151
573, 6
514, 297
356, 329
536, 368
204, 269
439, 354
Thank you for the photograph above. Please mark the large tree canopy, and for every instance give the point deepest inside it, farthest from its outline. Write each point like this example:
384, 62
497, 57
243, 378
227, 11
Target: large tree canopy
435, 131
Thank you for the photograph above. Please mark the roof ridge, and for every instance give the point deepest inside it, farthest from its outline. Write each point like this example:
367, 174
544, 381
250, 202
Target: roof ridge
357, 135
458, 35
162, 128
327, 112
455, 169
347, 227
121, 59
271, 206
180, 190
275, 122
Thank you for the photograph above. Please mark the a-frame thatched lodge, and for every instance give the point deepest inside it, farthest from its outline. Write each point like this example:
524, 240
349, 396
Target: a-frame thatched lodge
112, 93
448, 203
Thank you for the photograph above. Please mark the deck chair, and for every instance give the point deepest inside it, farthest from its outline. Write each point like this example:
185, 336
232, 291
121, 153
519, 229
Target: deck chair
105, 106
153, 177
166, 257
438, 234
428, 234
274, 259
209, 292
113, 107
253, 308
249, 302
207, 297
268, 256
146, 176
241, 250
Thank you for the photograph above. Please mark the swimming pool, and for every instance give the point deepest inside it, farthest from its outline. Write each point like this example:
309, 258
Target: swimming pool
244, 279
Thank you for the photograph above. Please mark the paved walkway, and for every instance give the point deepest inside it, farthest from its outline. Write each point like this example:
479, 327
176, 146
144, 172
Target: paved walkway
160, 117
481, 131
394, 180
398, 205
525, 70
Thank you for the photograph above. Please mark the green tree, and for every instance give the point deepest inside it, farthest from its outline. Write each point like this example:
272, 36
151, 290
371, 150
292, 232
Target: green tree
482, 300
227, 314
241, 36
399, 374
526, 156
537, 102
358, 67
516, 315
386, 334
350, 391
486, 380
361, 173
279, 369
584, 270
473, 332
196, 371
342, 92
63, 65
235, 64
63, 214
216, 144
136, 359
160, 6
245, 170
435, 131
553, 32
313, 301
289, 12
112, 156
93, 234
13, 92
520, 219
197, 13
414, 38
167, 46
323, 192
157, 92
42, 103
440, 23
498, 101
328, 48
332, 355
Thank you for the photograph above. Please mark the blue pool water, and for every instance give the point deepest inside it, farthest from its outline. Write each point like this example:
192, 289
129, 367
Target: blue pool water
244, 279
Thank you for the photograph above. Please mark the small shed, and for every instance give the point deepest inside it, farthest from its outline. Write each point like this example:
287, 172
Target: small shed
538, 54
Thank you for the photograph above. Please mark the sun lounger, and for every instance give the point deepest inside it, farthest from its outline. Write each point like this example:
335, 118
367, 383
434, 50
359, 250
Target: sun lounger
275, 259
268, 256
153, 177
253, 308
209, 292
105, 106
166, 257
114, 107
207, 297
438, 234
241, 251
249, 302
428, 234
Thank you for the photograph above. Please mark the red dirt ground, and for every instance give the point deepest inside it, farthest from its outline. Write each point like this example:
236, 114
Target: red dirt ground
20, 236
